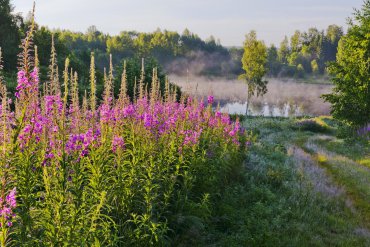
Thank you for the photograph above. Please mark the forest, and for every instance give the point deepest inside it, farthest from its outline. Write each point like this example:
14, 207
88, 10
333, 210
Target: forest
305, 53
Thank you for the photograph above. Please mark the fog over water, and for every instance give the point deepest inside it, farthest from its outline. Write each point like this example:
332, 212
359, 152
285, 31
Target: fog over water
284, 98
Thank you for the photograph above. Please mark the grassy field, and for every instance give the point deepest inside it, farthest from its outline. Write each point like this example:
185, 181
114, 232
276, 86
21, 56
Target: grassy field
301, 185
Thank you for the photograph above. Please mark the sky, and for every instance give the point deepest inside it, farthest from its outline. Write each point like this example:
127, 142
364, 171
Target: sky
227, 20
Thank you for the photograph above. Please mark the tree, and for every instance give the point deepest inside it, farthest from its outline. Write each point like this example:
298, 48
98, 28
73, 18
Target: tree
254, 62
9, 34
284, 51
330, 46
350, 97
300, 72
295, 41
334, 33
273, 64
314, 66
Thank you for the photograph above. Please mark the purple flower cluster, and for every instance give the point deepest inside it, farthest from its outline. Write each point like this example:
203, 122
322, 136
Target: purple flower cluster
82, 142
159, 120
117, 143
7, 206
191, 137
53, 102
210, 99
76, 130
27, 84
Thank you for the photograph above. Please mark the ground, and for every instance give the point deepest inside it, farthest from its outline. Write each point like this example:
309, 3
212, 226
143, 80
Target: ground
303, 184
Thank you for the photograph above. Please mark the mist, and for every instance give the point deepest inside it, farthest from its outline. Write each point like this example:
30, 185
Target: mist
284, 98
198, 63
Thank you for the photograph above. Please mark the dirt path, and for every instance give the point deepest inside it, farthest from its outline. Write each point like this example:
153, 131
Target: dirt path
323, 169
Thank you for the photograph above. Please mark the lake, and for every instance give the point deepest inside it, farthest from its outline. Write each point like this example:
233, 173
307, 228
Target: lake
284, 98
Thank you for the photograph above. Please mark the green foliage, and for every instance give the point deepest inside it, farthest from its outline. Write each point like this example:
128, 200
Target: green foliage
312, 49
284, 50
314, 66
350, 98
9, 34
273, 63
177, 53
316, 124
300, 71
254, 62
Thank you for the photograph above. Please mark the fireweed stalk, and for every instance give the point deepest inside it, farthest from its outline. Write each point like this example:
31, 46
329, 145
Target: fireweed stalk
116, 174
110, 173
7, 205
148, 153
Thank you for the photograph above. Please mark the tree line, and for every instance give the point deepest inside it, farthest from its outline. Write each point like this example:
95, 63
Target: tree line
304, 53
345, 58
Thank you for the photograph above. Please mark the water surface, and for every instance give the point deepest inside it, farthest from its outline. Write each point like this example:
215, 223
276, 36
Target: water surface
284, 98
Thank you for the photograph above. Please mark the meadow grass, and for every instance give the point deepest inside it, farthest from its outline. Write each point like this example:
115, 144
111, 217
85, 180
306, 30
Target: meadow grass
284, 197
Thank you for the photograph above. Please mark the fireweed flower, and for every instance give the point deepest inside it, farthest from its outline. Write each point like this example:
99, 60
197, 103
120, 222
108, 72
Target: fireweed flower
10, 198
22, 83
147, 120
7, 207
117, 142
106, 113
128, 111
210, 99
26, 83
53, 102
82, 142
191, 137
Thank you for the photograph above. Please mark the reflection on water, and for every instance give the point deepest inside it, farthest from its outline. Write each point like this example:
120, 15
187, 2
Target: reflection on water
265, 109
284, 98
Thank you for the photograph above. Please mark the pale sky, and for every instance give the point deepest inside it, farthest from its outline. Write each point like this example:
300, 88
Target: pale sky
228, 20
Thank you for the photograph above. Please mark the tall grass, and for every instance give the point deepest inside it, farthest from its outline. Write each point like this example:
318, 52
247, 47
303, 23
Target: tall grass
110, 173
